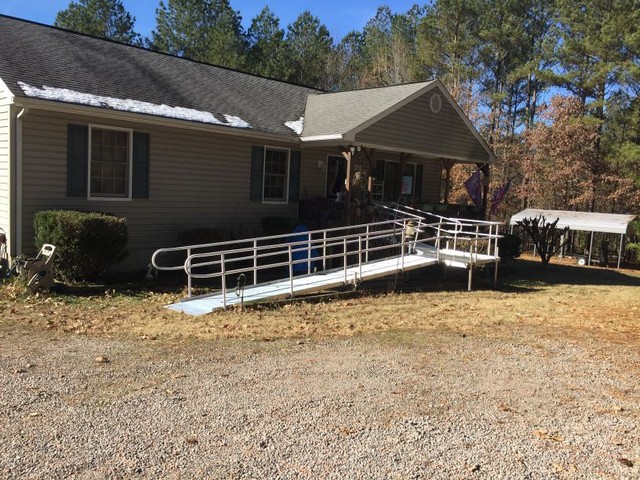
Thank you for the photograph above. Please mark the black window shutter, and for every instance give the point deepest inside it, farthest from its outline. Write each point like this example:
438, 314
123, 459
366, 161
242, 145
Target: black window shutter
294, 175
417, 192
77, 160
257, 168
140, 165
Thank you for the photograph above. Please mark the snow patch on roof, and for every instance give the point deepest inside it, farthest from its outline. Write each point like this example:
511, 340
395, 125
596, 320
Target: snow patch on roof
237, 122
128, 105
296, 125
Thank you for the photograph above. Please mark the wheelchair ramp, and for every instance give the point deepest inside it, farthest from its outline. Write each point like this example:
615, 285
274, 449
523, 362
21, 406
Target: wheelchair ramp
306, 284
366, 251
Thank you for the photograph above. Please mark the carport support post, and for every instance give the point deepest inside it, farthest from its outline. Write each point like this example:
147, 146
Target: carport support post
620, 249
590, 248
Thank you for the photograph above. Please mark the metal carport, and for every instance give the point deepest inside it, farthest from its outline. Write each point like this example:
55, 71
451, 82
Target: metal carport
585, 222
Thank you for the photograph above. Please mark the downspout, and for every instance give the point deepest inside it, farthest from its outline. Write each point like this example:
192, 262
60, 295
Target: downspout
18, 187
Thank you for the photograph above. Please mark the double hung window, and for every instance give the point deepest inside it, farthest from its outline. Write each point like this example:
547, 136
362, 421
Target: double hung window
110, 155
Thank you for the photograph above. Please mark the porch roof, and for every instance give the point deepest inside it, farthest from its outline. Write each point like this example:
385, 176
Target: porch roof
341, 113
398, 118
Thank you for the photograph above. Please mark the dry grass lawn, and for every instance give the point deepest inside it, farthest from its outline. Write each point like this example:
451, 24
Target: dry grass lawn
563, 300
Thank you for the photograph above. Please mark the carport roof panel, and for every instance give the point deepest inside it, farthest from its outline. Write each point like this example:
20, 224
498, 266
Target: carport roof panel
585, 221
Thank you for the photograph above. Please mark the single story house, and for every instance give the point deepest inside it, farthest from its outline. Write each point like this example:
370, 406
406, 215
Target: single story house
173, 144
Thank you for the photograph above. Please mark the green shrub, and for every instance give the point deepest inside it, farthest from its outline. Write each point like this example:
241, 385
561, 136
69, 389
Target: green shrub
509, 247
86, 243
632, 252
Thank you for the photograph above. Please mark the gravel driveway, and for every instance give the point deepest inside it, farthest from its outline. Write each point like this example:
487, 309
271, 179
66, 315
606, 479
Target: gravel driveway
397, 405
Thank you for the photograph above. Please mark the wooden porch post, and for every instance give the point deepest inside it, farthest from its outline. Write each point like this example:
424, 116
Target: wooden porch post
368, 152
448, 165
347, 153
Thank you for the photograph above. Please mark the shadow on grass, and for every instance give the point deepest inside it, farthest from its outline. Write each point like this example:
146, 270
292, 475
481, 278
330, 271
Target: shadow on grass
521, 276
531, 273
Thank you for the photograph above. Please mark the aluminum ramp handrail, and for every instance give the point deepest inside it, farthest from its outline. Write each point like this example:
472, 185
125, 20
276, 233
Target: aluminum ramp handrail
352, 244
455, 230
259, 250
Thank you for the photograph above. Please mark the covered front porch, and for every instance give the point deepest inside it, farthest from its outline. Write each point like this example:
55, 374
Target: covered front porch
394, 145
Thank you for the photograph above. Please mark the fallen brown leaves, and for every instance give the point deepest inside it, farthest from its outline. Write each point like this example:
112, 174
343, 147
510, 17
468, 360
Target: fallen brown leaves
585, 309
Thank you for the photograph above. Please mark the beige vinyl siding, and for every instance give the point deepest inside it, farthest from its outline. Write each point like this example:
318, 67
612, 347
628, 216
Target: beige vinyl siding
416, 127
313, 180
196, 180
5, 163
431, 180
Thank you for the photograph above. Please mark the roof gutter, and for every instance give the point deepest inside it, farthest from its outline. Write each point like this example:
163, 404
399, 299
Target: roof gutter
322, 138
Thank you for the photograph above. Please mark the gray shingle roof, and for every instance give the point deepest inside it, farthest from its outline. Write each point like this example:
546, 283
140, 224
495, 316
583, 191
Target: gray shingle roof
41, 55
342, 112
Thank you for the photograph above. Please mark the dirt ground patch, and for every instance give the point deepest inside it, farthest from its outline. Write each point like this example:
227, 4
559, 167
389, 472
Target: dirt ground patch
561, 300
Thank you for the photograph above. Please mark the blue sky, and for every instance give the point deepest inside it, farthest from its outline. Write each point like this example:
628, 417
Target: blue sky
339, 16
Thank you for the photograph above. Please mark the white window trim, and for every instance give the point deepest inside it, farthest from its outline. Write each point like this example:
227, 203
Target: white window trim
264, 175
129, 160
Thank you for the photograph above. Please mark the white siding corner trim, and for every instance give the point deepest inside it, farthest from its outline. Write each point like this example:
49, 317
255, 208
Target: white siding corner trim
6, 97
5, 173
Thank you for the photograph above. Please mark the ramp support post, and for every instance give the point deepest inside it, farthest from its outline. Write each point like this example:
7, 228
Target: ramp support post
189, 293
290, 271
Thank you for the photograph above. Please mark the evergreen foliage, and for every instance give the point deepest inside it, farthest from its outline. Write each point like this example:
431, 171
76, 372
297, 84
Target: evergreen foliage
267, 55
100, 18
308, 47
204, 30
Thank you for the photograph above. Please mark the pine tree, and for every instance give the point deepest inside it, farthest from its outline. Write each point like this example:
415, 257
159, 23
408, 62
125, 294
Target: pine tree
204, 30
502, 41
389, 48
346, 64
309, 46
595, 47
447, 42
100, 18
267, 49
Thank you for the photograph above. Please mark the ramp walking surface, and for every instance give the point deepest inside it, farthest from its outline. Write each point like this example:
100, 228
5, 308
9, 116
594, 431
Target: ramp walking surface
306, 284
